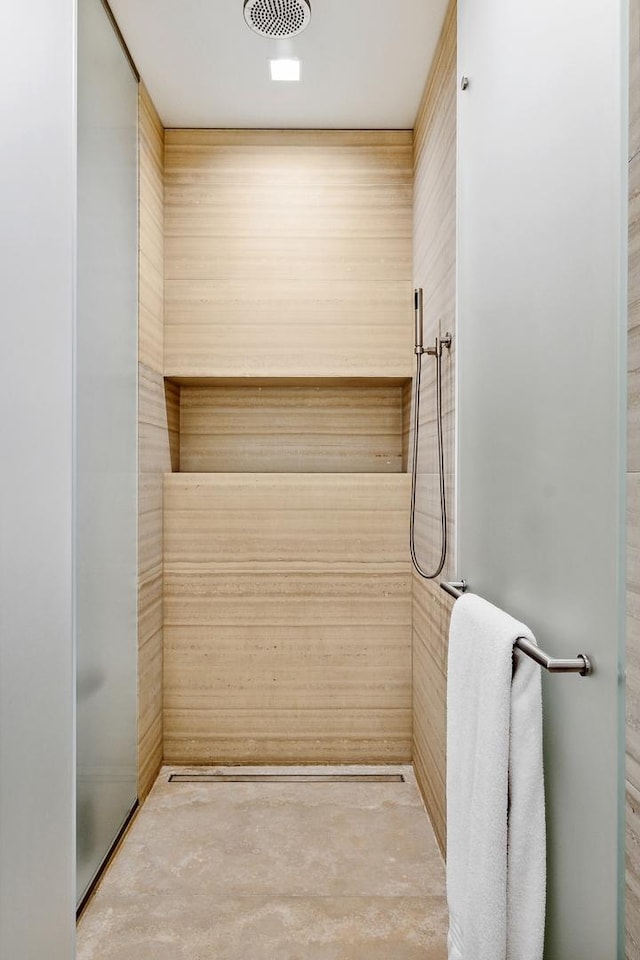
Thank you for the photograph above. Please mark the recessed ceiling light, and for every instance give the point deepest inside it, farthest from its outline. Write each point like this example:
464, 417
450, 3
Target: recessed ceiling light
285, 69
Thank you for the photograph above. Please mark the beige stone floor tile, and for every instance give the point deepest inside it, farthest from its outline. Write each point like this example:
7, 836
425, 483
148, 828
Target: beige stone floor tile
260, 928
223, 871
241, 839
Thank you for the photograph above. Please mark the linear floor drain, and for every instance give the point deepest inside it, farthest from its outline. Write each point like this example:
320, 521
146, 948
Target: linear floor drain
286, 778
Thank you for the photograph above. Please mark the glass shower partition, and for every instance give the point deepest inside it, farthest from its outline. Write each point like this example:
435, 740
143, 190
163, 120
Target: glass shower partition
542, 262
106, 440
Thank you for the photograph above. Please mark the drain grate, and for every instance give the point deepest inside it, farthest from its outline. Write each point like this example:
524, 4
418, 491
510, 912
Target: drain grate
286, 778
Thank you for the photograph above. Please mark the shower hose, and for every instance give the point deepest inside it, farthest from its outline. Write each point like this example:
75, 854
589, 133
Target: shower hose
437, 352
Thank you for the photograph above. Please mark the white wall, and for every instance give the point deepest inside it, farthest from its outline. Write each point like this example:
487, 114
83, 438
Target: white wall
37, 190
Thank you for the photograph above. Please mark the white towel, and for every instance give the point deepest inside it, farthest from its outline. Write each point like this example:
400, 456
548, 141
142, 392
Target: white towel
496, 845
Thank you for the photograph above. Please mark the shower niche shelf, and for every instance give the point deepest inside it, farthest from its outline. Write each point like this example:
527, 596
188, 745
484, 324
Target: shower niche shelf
287, 425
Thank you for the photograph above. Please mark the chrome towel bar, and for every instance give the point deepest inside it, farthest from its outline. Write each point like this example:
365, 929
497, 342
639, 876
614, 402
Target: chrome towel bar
580, 664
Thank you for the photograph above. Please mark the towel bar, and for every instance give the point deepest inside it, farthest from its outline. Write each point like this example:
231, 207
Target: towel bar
580, 664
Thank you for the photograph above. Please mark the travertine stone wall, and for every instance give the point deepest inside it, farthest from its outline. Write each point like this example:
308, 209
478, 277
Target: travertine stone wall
434, 261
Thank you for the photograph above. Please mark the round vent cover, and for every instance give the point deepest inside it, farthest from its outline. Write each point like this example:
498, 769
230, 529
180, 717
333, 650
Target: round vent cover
277, 18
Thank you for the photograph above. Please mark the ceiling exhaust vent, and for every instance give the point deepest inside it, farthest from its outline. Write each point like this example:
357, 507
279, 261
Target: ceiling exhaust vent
277, 18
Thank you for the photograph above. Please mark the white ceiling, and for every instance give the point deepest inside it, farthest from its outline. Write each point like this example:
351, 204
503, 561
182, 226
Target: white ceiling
364, 63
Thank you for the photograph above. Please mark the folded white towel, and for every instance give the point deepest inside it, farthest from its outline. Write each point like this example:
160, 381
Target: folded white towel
496, 847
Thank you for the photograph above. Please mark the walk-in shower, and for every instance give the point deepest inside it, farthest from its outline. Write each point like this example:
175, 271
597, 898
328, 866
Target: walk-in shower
435, 351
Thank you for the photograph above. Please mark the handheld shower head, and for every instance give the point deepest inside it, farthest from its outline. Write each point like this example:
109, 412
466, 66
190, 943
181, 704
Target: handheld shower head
418, 312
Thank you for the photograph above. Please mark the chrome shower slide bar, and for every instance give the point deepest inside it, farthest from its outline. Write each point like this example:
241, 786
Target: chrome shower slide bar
580, 664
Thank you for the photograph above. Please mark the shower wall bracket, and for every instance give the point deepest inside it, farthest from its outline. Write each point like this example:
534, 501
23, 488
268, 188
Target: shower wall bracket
440, 343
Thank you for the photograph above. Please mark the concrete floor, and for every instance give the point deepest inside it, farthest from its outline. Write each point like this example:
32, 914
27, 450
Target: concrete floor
273, 871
